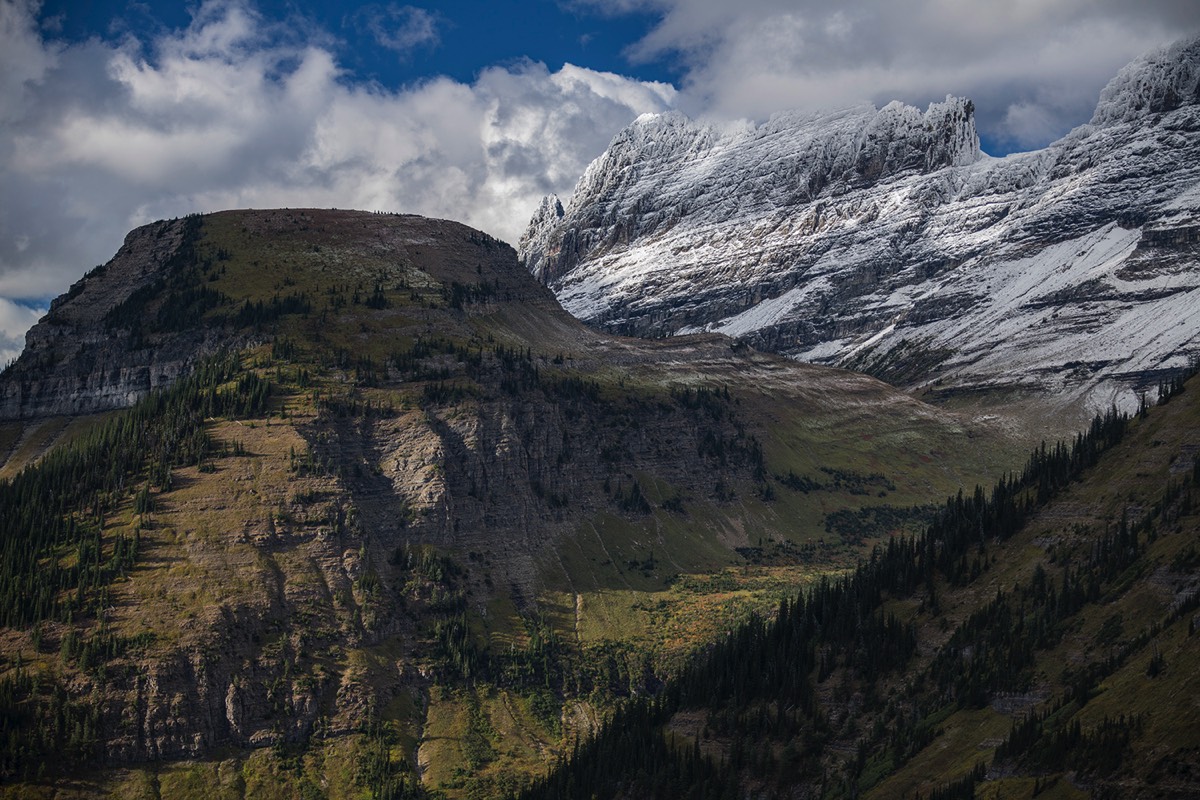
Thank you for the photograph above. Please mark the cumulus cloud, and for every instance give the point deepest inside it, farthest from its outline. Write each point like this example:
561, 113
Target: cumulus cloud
1034, 67
235, 111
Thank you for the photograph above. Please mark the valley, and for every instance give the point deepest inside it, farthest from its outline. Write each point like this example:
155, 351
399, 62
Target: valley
1037, 640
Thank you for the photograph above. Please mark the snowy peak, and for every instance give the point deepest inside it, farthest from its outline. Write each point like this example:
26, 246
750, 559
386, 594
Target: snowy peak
901, 138
1156, 83
882, 239
792, 158
537, 237
954, 142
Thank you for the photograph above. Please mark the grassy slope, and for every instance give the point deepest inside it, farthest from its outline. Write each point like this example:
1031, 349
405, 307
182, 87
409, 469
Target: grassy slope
1129, 480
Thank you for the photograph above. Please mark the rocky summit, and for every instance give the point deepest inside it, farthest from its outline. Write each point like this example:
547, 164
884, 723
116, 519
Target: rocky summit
885, 240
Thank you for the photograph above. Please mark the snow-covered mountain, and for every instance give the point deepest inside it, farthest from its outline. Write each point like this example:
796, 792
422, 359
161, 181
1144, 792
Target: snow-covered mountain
883, 239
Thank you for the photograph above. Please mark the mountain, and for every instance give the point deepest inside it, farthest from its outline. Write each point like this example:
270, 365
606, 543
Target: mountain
312, 502
885, 241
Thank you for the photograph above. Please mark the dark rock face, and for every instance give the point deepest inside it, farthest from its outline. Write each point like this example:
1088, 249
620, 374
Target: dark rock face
840, 238
78, 360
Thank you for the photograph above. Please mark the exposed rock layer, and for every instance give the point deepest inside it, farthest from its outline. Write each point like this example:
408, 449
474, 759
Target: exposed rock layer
464, 410
76, 361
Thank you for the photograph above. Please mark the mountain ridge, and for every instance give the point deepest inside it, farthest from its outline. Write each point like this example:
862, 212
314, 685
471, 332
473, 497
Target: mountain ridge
125, 329
1048, 274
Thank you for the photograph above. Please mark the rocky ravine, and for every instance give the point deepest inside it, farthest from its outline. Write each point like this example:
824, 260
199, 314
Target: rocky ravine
885, 240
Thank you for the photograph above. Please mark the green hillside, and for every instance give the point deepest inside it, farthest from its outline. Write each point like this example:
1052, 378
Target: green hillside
1037, 640
406, 528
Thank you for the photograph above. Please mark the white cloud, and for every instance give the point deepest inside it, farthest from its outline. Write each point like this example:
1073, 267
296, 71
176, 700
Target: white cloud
234, 111
23, 58
1041, 62
15, 319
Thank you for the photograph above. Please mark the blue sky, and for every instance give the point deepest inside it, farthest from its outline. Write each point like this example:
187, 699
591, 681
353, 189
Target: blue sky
467, 35
114, 114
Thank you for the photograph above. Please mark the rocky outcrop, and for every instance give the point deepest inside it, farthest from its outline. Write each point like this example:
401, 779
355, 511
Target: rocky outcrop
78, 360
664, 170
859, 236
442, 454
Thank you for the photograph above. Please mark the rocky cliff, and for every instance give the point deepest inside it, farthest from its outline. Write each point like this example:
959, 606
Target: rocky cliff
884, 240
84, 356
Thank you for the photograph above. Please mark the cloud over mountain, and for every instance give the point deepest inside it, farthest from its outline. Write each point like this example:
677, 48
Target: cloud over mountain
239, 111
1034, 69
236, 109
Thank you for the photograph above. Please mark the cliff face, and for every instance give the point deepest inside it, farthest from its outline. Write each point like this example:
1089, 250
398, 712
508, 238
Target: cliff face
884, 240
665, 171
80, 358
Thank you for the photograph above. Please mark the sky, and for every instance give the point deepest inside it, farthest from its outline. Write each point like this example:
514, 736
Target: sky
115, 113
